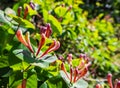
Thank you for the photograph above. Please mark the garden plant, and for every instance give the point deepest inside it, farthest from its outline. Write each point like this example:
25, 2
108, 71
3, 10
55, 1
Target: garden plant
53, 44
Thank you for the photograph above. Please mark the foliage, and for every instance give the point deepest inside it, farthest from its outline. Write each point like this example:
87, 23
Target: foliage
32, 30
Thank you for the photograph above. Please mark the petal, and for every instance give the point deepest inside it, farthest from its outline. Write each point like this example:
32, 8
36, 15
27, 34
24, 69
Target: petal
21, 38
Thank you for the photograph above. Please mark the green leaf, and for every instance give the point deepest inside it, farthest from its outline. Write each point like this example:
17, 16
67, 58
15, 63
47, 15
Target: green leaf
80, 84
44, 85
55, 24
60, 11
49, 58
41, 64
24, 55
3, 61
65, 78
3, 18
22, 22
15, 79
31, 79
9, 11
30, 10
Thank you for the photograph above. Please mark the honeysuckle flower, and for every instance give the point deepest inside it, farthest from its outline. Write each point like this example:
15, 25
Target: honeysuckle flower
77, 72
98, 86
46, 30
32, 5
19, 10
109, 79
24, 40
25, 12
69, 58
116, 83
54, 46
41, 43
45, 34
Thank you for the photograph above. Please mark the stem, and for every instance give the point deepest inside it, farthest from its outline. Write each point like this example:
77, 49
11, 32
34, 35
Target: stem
27, 68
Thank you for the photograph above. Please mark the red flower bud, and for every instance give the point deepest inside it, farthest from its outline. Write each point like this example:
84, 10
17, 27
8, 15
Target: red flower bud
25, 12
24, 82
27, 37
41, 43
118, 84
69, 58
32, 5
64, 69
19, 11
69, 8
75, 74
21, 38
71, 73
98, 86
25, 41
54, 46
109, 79
48, 31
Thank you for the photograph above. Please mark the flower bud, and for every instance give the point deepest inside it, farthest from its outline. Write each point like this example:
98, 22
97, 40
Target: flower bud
69, 58
32, 5
24, 82
109, 79
118, 84
69, 8
54, 46
98, 86
19, 11
71, 73
75, 74
25, 12
48, 31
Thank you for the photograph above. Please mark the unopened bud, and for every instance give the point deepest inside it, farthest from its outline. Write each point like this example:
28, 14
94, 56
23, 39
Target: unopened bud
70, 7
109, 79
25, 12
98, 86
32, 5
19, 11
118, 84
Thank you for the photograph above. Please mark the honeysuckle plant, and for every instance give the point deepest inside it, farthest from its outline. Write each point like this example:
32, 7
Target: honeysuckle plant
75, 70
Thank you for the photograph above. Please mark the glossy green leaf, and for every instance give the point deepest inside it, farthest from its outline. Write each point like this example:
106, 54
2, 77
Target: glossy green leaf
80, 84
22, 22
30, 10
55, 24
3, 18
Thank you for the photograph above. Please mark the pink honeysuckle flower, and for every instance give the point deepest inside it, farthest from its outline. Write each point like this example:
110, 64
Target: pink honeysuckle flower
19, 11
77, 72
109, 79
98, 86
25, 41
41, 43
69, 58
46, 30
25, 12
116, 83
64, 69
54, 46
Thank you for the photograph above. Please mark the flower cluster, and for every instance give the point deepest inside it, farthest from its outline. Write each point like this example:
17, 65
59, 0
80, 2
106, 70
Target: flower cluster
76, 72
116, 83
110, 83
46, 32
